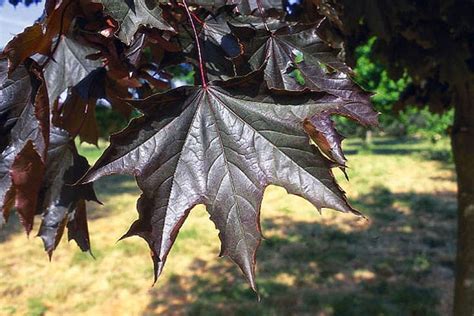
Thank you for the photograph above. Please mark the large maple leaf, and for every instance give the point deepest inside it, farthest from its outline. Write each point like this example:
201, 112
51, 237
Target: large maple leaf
220, 145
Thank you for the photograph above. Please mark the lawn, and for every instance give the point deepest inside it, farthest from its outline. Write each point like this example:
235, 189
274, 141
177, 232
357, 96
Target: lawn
399, 262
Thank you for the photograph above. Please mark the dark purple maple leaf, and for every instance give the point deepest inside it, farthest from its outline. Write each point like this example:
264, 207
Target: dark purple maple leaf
61, 202
220, 145
287, 53
25, 104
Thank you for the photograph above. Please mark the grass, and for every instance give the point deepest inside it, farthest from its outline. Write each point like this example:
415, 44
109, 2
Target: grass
400, 262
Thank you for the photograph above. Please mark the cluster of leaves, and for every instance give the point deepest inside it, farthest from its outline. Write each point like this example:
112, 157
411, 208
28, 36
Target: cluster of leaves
397, 120
259, 113
429, 41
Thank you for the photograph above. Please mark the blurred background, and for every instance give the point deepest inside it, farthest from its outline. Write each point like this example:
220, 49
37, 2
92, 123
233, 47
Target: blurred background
400, 262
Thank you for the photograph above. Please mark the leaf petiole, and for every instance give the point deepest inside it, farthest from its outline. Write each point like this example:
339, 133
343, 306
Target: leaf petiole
198, 45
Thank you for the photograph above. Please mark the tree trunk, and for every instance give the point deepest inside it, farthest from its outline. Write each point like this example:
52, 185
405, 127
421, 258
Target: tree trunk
463, 149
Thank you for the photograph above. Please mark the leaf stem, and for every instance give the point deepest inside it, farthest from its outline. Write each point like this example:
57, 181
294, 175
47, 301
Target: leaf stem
198, 45
197, 18
262, 14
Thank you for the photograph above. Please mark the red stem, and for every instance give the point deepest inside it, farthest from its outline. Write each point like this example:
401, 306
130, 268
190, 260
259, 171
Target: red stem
262, 14
193, 14
198, 45
197, 18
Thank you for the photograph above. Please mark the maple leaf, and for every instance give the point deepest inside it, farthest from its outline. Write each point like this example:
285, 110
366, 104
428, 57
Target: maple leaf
132, 14
285, 50
64, 203
297, 59
12, 102
26, 174
38, 38
220, 146
78, 111
27, 44
216, 30
34, 174
77, 227
22, 160
68, 66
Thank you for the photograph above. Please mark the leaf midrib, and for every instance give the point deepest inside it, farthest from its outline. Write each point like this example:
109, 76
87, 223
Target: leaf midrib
226, 162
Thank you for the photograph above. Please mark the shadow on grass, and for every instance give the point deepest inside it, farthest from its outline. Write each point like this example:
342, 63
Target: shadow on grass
401, 264
401, 146
388, 141
108, 188
441, 155
112, 186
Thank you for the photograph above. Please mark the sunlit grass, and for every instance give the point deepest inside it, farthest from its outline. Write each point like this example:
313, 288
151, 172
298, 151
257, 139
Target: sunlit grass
399, 262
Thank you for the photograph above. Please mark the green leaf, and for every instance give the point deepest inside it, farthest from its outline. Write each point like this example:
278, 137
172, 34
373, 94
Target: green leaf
298, 76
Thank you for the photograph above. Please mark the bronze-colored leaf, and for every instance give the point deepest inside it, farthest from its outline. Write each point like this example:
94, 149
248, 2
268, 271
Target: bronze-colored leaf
220, 145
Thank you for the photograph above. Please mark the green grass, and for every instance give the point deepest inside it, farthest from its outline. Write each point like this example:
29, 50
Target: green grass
36, 307
91, 152
399, 262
